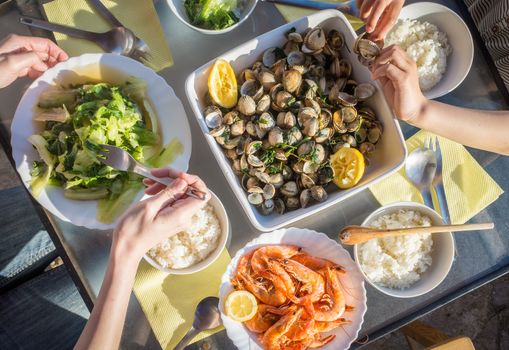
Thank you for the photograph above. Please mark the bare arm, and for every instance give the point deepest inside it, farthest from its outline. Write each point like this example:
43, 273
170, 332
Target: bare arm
397, 74
142, 227
486, 130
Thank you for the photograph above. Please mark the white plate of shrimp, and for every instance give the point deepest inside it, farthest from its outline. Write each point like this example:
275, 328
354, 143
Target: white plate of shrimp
309, 291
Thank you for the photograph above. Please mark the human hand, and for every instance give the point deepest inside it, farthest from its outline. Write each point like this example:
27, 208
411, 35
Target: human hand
397, 73
166, 213
27, 56
379, 15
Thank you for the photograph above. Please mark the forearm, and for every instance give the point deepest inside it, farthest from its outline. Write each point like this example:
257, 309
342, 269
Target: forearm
104, 327
486, 130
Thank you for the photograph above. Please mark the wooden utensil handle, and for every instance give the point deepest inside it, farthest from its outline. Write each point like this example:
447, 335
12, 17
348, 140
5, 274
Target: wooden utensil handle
435, 229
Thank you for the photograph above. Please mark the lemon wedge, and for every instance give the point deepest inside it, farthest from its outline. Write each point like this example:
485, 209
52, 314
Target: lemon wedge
223, 84
348, 165
241, 306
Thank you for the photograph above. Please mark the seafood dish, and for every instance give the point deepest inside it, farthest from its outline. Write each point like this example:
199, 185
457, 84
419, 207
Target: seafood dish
300, 127
426, 45
299, 296
397, 262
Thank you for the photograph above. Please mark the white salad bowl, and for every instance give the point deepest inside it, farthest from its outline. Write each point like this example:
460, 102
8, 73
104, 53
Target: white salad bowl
222, 216
442, 253
84, 69
390, 152
458, 37
178, 8
316, 244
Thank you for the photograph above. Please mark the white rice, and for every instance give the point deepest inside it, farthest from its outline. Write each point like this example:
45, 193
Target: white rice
426, 45
397, 262
191, 246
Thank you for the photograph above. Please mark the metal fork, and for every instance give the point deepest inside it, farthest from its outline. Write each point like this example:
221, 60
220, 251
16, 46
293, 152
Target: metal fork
140, 50
434, 145
120, 159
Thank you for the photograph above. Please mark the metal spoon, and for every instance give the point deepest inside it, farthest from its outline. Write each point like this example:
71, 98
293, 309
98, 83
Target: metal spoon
118, 40
420, 168
206, 317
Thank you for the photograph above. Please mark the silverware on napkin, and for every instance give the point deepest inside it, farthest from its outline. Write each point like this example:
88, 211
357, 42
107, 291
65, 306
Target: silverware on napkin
420, 167
120, 159
433, 144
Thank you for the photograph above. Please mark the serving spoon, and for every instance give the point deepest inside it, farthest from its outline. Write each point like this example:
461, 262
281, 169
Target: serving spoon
354, 234
420, 168
206, 316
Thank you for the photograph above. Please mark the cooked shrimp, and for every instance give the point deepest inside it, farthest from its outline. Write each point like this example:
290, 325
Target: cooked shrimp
319, 342
271, 292
302, 329
265, 317
315, 263
332, 304
313, 285
273, 337
321, 326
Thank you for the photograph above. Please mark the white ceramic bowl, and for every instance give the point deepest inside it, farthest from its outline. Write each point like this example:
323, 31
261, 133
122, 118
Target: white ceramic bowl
225, 233
459, 37
85, 69
442, 254
390, 153
317, 244
177, 7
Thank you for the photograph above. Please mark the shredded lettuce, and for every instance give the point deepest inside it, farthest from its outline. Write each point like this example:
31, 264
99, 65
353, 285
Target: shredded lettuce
212, 14
77, 121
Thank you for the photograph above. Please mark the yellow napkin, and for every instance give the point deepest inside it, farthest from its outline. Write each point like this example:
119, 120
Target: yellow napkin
291, 13
139, 16
468, 188
169, 301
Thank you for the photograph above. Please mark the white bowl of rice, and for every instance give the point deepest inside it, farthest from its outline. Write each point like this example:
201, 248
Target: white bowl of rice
439, 41
405, 266
198, 246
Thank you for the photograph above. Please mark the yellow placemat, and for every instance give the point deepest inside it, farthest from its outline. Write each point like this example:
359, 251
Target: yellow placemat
138, 15
169, 301
468, 187
291, 13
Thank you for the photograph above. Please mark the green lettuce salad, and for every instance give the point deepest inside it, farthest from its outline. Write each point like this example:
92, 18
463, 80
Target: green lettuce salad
212, 14
79, 119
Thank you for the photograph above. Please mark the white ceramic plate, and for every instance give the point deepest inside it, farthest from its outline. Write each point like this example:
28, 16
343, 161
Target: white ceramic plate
442, 254
317, 244
99, 67
222, 216
390, 153
459, 37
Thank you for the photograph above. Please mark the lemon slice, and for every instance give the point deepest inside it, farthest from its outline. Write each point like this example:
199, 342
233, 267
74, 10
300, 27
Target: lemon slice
241, 306
348, 165
223, 84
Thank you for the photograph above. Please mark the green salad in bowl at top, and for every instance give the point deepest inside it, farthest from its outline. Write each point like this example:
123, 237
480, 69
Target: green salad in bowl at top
212, 14
77, 121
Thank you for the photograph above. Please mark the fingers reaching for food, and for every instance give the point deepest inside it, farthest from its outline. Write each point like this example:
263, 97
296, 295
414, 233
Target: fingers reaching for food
379, 15
22, 56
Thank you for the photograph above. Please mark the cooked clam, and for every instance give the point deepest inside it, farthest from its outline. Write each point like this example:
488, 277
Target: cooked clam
252, 88
292, 79
364, 91
246, 105
213, 117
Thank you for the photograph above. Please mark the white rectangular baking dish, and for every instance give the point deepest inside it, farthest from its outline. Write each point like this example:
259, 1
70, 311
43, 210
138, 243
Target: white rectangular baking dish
390, 153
